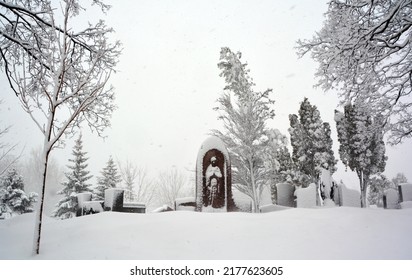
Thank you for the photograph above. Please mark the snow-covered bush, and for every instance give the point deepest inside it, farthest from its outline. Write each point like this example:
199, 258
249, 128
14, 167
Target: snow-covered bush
13, 199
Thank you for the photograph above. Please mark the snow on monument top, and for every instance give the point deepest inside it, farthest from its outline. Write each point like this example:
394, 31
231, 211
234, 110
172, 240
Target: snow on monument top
212, 142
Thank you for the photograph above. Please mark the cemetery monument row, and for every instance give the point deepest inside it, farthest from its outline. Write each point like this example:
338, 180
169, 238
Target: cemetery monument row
213, 177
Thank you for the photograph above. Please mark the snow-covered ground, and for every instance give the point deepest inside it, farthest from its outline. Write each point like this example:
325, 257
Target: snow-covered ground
328, 233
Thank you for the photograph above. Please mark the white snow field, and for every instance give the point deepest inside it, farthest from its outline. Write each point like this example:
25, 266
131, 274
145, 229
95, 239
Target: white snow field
340, 233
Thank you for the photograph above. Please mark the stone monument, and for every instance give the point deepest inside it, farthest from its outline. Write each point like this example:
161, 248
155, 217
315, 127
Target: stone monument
213, 177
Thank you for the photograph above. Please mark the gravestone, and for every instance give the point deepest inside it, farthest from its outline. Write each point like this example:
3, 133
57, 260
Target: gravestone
285, 194
391, 199
306, 197
82, 198
185, 203
348, 197
113, 200
405, 192
213, 177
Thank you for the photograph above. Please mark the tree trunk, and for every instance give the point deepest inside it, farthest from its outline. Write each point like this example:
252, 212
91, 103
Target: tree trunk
40, 206
363, 187
253, 183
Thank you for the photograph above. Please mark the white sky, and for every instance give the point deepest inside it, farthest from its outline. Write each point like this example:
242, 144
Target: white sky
168, 80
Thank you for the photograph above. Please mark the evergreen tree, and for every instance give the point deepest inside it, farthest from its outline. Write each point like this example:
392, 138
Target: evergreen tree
244, 113
311, 142
109, 179
361, 144
76, 182
13, 199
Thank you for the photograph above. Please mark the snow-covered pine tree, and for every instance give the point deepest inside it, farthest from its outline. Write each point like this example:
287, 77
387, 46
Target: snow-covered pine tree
311, 142
109, 179
244, 113
361, 143
13, 199
76, 182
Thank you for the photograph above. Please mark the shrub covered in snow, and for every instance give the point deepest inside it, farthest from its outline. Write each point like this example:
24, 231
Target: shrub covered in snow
13, 199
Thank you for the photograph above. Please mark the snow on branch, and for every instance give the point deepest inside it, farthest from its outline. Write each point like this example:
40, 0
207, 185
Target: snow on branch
364, 51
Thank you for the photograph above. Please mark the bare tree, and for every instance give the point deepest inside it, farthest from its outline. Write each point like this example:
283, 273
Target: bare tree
137, 184
58, 73
364, 51
169, 186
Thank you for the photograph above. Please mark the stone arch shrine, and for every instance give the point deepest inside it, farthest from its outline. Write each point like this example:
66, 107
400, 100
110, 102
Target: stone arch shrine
213, 177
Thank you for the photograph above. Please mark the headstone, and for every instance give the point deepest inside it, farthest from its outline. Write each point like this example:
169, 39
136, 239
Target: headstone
113, 200
213, 177
92, 207
134, 207
391, 199
306, 197
81, 199
405, 192
185, 203
326, 184
285, 194
348, 197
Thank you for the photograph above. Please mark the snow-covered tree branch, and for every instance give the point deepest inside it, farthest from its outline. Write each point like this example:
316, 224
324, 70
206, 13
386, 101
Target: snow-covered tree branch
364, 51
58, 73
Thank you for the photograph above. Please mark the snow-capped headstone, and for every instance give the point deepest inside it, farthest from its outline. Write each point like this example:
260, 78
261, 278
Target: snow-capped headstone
91, 207
213, 177
405, 192
391, 199
306, 197
113, 199
348, 197
185, 203
285, 194
82, 198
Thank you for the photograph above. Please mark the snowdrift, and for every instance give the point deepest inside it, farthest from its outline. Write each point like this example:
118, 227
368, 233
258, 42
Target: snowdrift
327, 233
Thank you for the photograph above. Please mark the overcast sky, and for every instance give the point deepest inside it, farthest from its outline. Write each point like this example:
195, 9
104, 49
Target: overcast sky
168, 81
